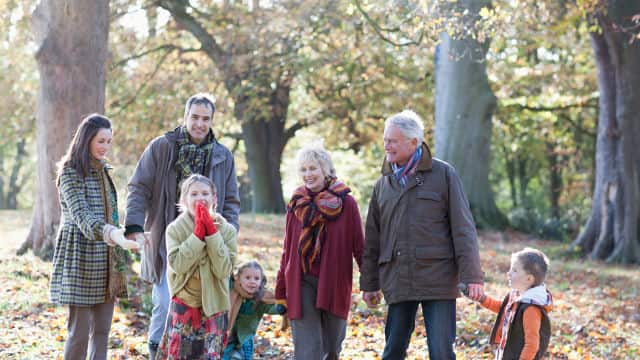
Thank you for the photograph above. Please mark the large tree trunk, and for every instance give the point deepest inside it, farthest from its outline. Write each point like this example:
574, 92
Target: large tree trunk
611, 233
71, 36
265, 136
463, 110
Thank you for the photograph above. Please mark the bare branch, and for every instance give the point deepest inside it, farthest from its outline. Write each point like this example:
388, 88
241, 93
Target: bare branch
144, 84
177, 8
291, 131
166, 47
591, 102
568, 119
380, 30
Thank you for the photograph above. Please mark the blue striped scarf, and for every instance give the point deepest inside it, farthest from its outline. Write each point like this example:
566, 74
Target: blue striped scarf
402, 172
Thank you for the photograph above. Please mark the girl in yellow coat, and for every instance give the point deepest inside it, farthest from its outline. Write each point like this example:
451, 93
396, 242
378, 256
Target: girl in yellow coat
201, 251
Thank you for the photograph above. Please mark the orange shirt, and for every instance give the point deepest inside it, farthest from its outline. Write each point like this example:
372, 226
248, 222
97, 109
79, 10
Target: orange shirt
531, 321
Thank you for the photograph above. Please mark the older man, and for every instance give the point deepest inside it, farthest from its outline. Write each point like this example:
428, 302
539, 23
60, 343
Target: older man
420, 241
153, 194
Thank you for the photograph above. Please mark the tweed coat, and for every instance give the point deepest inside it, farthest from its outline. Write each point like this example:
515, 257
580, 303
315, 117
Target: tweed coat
80, 262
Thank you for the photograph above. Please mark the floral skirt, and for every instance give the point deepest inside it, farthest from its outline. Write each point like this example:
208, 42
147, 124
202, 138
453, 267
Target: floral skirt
189, 334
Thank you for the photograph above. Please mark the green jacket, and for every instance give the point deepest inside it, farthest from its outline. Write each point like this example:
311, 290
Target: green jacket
249, 317
213, 258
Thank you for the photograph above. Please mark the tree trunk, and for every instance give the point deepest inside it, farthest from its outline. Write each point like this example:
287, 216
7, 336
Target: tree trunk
71, 39
523, 178
463, 110
265, 136
555, 180
611, 233
264, 145
2, 191
14, 186
510, 167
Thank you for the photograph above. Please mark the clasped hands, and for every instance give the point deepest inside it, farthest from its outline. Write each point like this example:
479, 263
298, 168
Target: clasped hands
204, 225
115, 236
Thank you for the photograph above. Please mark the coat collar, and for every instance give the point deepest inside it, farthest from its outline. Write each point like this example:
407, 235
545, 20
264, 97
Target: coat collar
423, 165
218, 153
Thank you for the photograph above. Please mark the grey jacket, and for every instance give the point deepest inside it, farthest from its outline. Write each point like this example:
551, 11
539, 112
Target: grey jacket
420, 241
151, 200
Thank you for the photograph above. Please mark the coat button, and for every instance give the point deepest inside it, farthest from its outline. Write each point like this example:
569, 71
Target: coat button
398, 253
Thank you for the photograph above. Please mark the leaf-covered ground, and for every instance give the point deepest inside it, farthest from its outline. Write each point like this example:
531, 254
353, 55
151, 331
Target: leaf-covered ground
596, 315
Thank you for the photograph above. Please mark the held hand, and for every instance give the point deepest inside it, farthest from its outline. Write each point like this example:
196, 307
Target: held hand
473, 291
372, 298
143, 239
117, 236
476, 291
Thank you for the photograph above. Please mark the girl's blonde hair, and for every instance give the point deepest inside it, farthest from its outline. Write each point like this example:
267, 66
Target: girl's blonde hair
186, 184
252, 265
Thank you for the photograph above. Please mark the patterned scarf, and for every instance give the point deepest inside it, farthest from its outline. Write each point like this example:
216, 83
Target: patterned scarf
507, 319
402, 173
192, 158
313, 211
117, 256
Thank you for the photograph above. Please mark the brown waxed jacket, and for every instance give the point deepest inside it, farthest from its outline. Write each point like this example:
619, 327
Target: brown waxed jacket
420, 241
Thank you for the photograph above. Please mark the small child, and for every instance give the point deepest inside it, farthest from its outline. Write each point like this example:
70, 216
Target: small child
522, 328
249, 301
201, 251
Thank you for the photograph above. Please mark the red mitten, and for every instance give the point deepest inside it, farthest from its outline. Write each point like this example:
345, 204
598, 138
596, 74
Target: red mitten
199, 228
210, 226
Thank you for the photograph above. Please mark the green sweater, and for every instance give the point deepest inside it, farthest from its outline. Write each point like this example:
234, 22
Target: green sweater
213, 258
249, 316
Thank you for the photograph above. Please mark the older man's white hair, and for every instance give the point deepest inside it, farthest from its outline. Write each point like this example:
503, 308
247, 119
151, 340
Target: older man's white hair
409, 123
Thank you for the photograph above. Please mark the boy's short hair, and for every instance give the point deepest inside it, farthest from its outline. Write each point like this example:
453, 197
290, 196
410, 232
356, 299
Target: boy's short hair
534, 262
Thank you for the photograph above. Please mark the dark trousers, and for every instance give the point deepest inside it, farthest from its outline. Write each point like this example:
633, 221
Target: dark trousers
440, 322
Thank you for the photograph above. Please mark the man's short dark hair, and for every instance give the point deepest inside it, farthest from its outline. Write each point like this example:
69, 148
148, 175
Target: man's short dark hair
200, 98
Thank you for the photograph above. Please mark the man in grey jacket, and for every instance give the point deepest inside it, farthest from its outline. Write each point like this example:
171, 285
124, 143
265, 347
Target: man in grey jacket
420, 241
153, 194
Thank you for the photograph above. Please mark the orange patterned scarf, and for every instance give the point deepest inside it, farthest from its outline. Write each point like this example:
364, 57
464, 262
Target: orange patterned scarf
313, 211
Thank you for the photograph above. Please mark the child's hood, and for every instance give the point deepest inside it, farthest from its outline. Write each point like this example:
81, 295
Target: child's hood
538, 295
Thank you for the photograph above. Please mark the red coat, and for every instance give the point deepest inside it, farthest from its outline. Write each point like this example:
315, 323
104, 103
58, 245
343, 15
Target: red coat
344, 241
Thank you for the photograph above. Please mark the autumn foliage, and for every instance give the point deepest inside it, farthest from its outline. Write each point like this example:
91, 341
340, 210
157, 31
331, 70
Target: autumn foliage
596, 314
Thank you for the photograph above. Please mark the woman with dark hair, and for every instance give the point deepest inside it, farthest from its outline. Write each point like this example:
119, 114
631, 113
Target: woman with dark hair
88, 268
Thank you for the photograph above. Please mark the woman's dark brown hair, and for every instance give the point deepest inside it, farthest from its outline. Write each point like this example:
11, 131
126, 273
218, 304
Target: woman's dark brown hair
78, 155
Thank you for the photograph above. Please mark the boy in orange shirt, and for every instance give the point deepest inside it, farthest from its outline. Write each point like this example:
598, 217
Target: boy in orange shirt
522, 329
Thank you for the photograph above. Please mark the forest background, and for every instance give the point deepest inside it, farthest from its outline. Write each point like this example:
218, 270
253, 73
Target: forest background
534, 103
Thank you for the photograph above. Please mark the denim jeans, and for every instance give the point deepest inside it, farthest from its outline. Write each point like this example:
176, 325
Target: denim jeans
440, 322
160, 299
